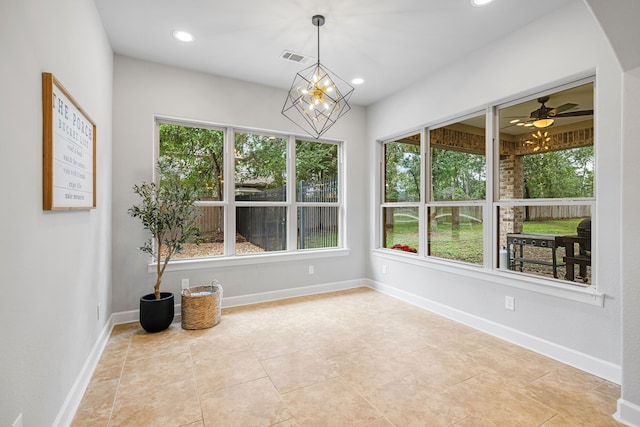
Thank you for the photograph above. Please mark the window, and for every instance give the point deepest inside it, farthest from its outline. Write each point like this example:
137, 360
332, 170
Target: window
260, 191
546, 174
269, 193
317, 195
200, 151
527, 210
457, 191
401, 206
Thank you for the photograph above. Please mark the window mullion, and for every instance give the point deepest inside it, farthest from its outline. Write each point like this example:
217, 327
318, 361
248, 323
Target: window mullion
342, 209
492, 156
229, 193
380, 196
292, 208
425, 185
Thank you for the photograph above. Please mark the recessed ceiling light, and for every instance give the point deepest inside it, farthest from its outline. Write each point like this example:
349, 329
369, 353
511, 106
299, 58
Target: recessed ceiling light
183, 36
478, 3
357, 81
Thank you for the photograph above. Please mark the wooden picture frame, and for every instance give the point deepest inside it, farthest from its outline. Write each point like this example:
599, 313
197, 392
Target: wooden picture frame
69, 150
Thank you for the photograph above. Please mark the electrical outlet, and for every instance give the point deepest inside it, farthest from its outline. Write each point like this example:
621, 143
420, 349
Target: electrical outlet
185, 283
510, 303
311, 269
17, 422
384, 268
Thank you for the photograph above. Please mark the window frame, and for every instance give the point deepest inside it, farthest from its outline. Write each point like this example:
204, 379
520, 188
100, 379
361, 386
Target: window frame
229, 204
404, 204
428, 203
340, 200
489, 269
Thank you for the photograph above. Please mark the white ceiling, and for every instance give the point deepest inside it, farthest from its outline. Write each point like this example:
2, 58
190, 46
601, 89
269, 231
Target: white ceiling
389, 43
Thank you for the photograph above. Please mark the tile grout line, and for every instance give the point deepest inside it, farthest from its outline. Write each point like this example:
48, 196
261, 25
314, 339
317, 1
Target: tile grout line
124, 362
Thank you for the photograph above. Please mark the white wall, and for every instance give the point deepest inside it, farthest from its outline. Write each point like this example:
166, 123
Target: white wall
144, 89
564, 44
630, 401
56, 266
620, 26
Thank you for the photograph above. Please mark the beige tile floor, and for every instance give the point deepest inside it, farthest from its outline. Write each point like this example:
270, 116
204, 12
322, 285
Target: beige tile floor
350, 358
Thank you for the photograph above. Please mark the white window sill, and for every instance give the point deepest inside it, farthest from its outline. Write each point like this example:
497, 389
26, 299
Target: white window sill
584, 294
263, 258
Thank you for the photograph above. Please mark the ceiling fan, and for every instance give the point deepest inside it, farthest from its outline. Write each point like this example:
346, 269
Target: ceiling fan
545, 116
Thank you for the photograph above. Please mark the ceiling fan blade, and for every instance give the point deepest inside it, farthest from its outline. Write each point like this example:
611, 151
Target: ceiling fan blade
575, 113
562, 108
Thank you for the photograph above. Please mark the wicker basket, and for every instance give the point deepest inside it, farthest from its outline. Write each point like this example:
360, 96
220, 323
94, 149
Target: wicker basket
201, 307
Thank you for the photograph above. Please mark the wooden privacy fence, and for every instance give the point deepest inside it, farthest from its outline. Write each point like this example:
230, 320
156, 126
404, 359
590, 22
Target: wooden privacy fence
533, 213
317, 225
266, 226
212, 219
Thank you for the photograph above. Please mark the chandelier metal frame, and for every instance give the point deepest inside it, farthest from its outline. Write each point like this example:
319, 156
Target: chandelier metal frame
318, 97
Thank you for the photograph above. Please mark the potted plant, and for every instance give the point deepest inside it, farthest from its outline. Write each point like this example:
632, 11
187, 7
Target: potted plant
167, 211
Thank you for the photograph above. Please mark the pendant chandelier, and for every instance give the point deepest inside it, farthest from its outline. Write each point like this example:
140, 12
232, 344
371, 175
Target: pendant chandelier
318, 97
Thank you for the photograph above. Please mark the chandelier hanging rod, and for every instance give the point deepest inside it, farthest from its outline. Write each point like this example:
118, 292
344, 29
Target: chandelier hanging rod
318, 21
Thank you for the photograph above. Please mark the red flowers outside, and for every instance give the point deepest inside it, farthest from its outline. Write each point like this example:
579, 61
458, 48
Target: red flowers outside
405, 248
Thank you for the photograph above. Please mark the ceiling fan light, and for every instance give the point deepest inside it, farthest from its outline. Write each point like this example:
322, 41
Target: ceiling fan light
543, 123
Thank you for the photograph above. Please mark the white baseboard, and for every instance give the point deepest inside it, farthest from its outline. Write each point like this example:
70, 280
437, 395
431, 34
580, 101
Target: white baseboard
628, 413
72, 402
584, 362
134, 315
125, 317
291, 293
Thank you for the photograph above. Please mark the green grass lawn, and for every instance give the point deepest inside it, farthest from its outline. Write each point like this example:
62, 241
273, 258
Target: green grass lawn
564, 227
465, 244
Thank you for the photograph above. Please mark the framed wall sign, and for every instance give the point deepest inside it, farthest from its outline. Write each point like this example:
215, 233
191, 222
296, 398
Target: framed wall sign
69, 150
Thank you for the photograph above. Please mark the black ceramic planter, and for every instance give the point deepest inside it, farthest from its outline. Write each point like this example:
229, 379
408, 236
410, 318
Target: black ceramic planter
156, 314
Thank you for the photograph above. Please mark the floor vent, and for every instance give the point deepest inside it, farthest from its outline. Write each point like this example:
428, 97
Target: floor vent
295, 57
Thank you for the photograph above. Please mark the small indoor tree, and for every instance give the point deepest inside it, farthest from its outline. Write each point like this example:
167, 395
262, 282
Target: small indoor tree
167, 210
